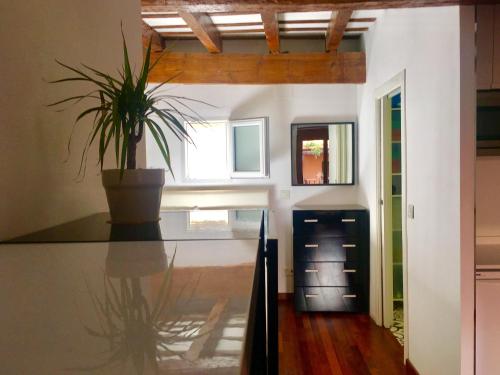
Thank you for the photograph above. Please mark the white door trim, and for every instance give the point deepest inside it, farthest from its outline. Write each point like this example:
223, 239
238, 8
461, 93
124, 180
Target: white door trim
398, 82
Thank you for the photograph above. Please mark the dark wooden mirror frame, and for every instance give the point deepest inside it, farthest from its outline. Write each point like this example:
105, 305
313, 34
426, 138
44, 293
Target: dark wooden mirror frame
294, 148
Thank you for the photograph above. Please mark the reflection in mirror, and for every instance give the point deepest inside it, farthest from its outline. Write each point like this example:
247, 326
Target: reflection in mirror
322, 154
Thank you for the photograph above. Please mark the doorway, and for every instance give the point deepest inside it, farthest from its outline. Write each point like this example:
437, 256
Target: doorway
392, 174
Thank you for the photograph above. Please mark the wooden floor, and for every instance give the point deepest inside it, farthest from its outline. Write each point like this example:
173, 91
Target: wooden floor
334, 343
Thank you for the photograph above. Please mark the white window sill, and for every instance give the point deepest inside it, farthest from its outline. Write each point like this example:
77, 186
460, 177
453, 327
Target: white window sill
217, 186
216, 196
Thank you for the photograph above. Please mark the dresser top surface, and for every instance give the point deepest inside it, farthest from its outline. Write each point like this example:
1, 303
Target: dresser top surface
326, 207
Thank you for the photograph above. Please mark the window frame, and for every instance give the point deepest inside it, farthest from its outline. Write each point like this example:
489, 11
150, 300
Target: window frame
263, 172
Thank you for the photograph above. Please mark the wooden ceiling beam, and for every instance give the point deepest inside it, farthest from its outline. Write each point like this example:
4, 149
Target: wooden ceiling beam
363, 19
233, 13
202, 26
217, 25
178, 34
238, 24
157, 42
257, 6
355, 29
336, 29
321, 29
159, 15
232, 68
251, 31
292, 22
169, 37
272, 30
288, 22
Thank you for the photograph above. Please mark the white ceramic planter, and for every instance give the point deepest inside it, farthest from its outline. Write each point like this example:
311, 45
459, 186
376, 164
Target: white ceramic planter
136, 198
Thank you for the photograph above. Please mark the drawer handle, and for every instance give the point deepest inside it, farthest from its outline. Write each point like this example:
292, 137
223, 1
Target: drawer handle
311, 271
311, 245
348, 245
348, 220
310, 220
311, 295
350, 296
349, 271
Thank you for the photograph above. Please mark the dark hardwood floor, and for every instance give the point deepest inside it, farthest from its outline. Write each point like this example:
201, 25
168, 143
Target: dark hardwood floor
334, 343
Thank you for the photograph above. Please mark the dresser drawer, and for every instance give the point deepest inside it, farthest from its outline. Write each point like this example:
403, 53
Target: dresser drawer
329, 299
328, 223
325, 274
325, 249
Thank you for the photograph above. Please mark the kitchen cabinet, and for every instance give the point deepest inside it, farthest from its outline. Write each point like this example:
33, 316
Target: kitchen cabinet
488, 47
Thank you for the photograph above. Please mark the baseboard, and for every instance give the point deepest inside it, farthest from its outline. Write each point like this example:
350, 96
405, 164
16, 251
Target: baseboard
285, 296
410, 369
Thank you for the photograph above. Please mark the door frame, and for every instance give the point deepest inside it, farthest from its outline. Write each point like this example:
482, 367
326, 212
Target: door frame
398, 82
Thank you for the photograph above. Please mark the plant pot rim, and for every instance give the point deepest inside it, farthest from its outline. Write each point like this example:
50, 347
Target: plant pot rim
133, 176
114, 170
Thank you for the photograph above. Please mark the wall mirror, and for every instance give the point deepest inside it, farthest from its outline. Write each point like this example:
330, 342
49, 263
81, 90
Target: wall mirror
323, 154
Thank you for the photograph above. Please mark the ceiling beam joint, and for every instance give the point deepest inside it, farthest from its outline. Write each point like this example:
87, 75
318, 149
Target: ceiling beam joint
148, 33
202, 26
336, 29
272, 30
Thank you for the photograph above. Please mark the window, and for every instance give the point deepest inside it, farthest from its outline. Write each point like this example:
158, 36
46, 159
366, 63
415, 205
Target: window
227, 149
206, 157
208, 219
248, 145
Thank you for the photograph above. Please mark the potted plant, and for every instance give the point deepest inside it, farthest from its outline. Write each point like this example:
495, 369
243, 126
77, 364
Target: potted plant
122, 108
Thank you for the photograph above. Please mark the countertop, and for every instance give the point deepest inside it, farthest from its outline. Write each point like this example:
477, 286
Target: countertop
177, 303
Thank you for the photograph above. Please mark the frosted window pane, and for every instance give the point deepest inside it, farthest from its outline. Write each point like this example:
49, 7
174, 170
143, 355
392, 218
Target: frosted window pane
247, 148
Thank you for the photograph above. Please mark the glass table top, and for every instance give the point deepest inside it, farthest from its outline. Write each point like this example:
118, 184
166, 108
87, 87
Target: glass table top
173, 226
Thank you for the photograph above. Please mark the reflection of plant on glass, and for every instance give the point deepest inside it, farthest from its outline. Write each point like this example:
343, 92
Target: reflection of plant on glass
133, 329
313, 147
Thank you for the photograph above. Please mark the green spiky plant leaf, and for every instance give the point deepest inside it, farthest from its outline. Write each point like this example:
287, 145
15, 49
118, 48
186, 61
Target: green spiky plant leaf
123, 106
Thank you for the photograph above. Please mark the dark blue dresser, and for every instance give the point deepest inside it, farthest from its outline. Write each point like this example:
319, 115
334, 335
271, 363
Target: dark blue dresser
331, 254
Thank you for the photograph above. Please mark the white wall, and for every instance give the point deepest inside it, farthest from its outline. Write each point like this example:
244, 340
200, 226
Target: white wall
283, 104
426, 43
37, 188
